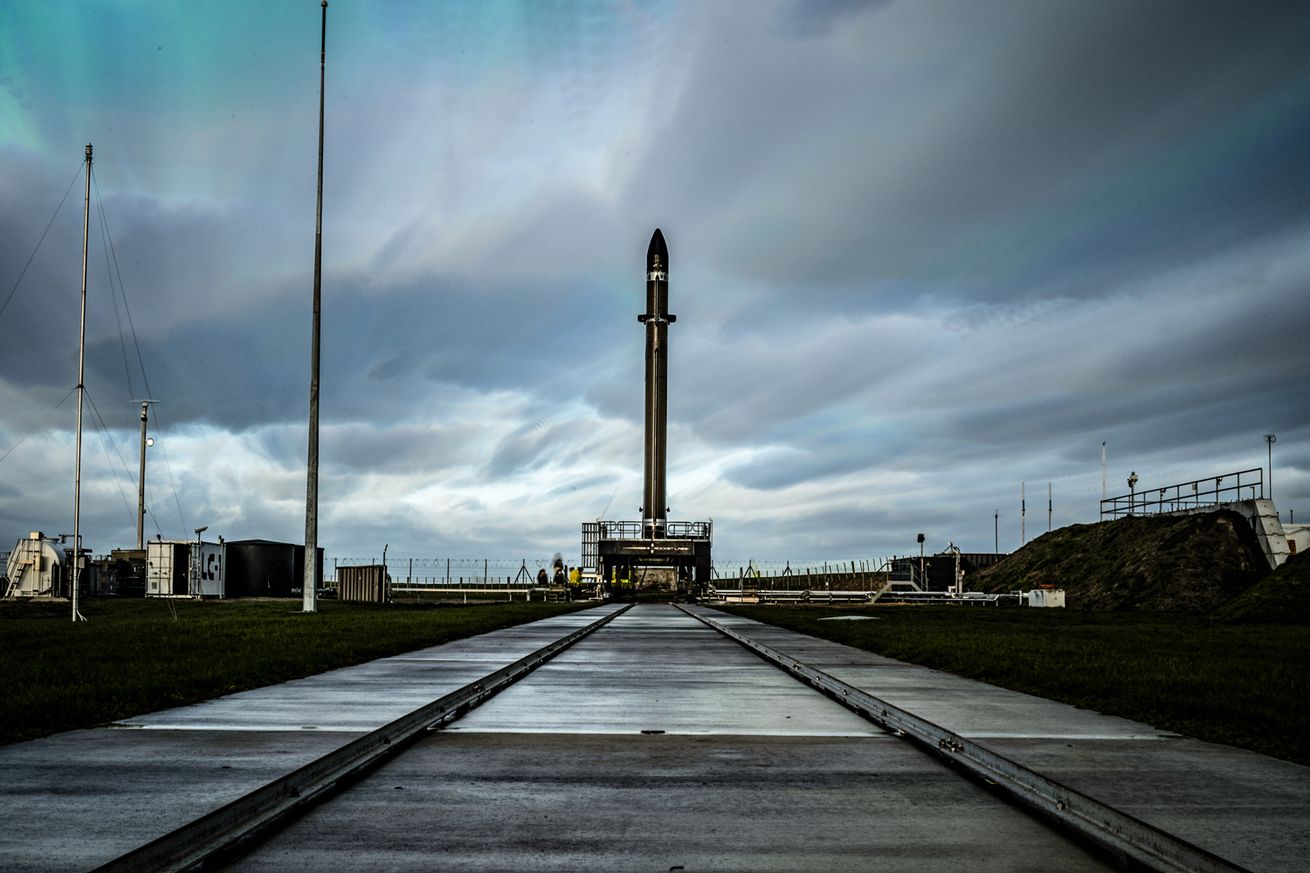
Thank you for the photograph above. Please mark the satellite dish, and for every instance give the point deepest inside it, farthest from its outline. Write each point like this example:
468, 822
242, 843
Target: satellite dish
150, 441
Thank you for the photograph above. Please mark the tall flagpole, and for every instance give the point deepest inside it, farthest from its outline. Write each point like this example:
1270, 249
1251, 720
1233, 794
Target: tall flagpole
81, 391
310, 601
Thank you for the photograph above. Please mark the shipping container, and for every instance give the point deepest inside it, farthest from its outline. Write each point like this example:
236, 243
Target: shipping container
168, 564
209, 572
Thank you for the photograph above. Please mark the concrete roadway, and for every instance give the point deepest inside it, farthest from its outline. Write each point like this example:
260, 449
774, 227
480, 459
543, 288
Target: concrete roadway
658, 744
79, 799
654, 744
1250, 809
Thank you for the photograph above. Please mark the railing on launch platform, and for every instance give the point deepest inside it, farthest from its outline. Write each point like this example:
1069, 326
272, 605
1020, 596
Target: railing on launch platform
1185, 496
674, 530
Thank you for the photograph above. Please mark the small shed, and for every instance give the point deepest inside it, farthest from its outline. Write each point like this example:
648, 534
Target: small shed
367, 584
1047, 597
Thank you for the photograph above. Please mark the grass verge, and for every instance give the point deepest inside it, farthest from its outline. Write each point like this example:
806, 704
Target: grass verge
136, 656
1243, 685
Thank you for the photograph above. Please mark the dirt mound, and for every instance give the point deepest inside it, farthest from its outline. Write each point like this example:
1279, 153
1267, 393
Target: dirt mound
1282, 597
1191, 563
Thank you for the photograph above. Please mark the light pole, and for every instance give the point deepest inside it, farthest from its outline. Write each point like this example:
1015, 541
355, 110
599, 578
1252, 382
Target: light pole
996, 532
141, 481
1023, 514
1270, 439
1132, 489
1102, 471
921, 579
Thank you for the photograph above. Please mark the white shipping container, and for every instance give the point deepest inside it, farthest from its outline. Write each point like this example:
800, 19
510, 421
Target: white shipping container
167, 568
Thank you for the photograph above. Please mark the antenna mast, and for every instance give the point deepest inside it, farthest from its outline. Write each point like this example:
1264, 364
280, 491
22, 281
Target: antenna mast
81, 390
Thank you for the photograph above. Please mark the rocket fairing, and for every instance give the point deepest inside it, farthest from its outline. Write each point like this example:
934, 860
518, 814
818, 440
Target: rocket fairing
657, 320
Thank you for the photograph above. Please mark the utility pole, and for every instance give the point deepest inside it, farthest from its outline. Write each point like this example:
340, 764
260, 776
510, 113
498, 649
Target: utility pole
309, 591
996, 532
141, 480
1050, 506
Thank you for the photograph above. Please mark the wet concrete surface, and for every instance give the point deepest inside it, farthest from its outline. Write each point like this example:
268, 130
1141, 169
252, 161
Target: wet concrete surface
972, 709
1250, 809
605, 802
76, 800
749, 770
366, 696
655, 744
654, 669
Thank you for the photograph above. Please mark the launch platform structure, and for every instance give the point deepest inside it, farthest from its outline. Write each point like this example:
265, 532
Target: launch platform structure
630, 556
629, 561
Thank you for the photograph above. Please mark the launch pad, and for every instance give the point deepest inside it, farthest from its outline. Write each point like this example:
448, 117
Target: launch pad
628, 562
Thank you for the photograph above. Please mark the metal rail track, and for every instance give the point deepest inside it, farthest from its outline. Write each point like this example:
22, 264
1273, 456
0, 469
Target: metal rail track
214, 835
1091, 819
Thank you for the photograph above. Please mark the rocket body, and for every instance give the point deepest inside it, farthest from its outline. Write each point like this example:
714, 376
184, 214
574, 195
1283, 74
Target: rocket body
657, 319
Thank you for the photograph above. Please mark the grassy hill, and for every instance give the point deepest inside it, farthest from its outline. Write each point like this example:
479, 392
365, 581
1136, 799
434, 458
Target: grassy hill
1282, 597
1193, 563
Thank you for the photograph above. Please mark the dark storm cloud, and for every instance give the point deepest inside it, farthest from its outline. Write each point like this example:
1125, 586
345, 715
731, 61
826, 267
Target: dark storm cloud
156, 276
760, 386
1063, 145
834, 532
385, 353
388, 448
532, 446
40, 318
832, 455
1203, 365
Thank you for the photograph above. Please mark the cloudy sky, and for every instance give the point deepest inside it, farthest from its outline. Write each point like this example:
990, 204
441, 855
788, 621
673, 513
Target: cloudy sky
920, 253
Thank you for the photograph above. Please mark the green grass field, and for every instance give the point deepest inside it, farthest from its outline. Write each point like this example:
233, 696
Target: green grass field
1244, 685
136, 656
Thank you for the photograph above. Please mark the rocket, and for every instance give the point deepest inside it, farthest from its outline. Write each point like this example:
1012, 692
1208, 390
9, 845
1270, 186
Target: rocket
657, 320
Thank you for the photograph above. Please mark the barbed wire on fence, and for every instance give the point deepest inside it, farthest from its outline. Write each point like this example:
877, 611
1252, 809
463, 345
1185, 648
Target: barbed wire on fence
453, 570
437, 569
